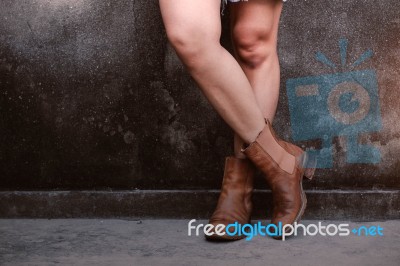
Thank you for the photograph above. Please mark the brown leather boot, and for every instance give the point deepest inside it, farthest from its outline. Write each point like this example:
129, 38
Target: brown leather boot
234, 203
283, 165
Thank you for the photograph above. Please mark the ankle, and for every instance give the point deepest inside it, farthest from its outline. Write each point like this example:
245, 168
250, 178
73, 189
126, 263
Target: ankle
240, 155
271, 144
238, 147
252, 132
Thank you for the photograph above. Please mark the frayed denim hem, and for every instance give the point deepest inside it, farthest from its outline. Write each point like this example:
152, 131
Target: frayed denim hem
225, 2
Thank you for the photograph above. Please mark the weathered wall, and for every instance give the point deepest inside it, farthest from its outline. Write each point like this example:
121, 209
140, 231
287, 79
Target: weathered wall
92, 97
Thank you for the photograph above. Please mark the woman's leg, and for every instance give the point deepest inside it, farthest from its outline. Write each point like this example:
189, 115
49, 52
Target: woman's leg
194, 29
254, 32
254, 28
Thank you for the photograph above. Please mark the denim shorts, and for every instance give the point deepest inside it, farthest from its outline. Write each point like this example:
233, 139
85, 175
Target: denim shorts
234, 1
225, 2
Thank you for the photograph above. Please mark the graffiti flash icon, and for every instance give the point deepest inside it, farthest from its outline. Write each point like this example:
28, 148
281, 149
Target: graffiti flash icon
339, 104
358, 103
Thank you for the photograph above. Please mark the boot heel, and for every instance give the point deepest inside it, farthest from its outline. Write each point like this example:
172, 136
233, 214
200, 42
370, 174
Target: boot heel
309, 165
309, 173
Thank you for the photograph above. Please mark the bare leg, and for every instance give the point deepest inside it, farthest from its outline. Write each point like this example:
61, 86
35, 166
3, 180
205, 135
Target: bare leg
194, 29
254, 26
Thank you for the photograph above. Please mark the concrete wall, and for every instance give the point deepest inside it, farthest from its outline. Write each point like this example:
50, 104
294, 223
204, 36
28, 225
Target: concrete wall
93, 97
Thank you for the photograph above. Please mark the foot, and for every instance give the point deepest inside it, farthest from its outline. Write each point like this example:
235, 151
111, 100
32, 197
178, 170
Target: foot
234, 203
285, 181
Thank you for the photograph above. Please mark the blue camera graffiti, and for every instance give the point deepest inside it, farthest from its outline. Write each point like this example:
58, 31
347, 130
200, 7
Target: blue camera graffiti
339, 104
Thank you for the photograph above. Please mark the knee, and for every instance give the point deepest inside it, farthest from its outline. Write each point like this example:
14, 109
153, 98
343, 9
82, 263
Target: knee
254, 44
181, 41
191, 43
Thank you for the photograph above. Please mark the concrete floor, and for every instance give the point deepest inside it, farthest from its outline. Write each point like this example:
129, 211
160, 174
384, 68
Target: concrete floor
165, 242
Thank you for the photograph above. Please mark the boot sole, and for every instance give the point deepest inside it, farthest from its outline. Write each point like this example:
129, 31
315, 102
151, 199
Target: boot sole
225, 238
